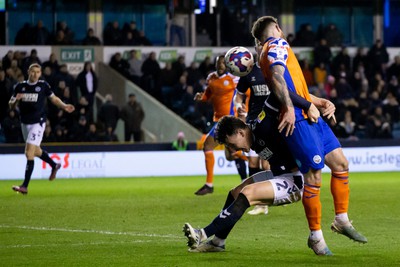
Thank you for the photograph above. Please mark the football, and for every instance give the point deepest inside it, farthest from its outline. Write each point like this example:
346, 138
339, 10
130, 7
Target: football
239, 61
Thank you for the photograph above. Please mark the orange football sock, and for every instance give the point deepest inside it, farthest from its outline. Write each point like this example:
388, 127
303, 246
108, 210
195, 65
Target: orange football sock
209, 166
312, 206
340, 191
241, 155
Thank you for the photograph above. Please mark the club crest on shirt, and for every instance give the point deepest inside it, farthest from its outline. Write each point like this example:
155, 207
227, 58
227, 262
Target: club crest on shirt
226, 83
317, 159
37, 89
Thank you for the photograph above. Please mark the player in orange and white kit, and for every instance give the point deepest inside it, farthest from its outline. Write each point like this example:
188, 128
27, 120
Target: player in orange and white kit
220, 91
312, 145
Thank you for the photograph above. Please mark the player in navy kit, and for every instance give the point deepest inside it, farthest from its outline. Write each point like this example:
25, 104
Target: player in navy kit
282, 185
30, 97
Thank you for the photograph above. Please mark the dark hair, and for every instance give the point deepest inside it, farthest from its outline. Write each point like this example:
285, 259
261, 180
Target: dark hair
260, 25
227, 126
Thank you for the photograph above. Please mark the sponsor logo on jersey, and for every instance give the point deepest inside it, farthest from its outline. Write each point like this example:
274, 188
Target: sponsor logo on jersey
265, 154
261, 90
317, 159
30, 97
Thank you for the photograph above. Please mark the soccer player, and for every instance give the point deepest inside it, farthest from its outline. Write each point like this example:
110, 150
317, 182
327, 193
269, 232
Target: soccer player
282, 185
312, 145
220, 90
254, 83
30, 96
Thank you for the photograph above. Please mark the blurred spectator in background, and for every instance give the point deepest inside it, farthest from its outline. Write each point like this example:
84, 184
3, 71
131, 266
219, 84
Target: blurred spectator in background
379, 125
322, 53
79, 129
112, 34
6, 60
12, 128
64, 75
329, 86
333, 36
83, 109
206, 66
69, 35
132, 114
178, 91
180, 143
128, 40
90, 38
394, 69
92, 135
378, 57
167, 81
193, 74
60, 39
40, 34
120, 64
135, 65
179, 67
307, 72
347, 127
52, 63
151, 73
177, 33
360, 59
131, 28
24, 35
5, 94
13, 72
305, 36
143, 40
341, 59
110, 135
108, 113
29, 60
48, 135
87, 83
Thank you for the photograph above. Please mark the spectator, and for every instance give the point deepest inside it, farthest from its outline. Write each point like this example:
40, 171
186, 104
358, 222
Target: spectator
132, 114
167, 81
52, 63
5, 94
60, 134
64, 75
29, 60
69, 35
320, 73
6, 61
60, 39
193, 74
131, 28
179, 67
90, 38
24, 35
333, 36
322, 53
379, 125
378, 57
360, 59
151, 73
180, 144
206, 66
178, 91
110, 135
14, 71
120, 64
48, 136
307, 72
112, 34
128, 40
40, 34
135, 65
305, 36
108, 113
347, 127
342, 58
329, 86
87, 83
177, 33
12, 128
394, 69
80, 129
83, 109
143, 40
391, 107
92, 135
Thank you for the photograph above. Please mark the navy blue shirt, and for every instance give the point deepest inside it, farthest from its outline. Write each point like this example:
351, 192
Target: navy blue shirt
32, 106
270, 145
259, 91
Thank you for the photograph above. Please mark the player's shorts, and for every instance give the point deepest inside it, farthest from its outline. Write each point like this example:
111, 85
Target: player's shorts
310, 142
288, 188
33, 133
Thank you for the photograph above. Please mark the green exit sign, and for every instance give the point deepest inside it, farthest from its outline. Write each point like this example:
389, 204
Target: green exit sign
77, 54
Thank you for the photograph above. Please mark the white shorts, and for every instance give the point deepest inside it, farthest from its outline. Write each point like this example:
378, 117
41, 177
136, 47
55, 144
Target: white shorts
288, 188
251, 153
33, 133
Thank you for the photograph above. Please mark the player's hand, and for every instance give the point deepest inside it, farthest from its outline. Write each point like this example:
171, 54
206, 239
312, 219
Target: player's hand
287, 120
198, 96
241, 111
313, 113
328, 110
19, 96
69, 108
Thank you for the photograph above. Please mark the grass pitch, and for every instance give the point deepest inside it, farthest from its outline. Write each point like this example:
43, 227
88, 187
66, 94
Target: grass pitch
138, 222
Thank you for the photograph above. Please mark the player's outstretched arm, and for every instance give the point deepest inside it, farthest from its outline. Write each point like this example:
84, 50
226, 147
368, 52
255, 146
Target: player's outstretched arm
14, 101
61, 105
327, 107
241, 110
279, 87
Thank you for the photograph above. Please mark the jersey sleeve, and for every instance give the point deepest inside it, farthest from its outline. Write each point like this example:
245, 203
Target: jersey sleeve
242, 85
278, 52
299, 101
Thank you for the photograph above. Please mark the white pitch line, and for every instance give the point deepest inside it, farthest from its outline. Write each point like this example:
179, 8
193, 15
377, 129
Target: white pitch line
85, 231
76, 244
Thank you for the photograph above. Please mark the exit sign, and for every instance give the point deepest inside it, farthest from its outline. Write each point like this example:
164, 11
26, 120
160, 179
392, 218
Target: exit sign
77, 54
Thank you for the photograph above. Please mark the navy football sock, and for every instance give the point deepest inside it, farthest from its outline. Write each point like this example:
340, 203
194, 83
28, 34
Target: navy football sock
46, 158
241, 167
28, 172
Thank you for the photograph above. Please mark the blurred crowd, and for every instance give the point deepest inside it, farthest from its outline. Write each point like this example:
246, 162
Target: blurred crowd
113, 35
364, 87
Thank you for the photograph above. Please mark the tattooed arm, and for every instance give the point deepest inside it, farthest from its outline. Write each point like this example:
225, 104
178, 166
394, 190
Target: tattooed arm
279, 87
